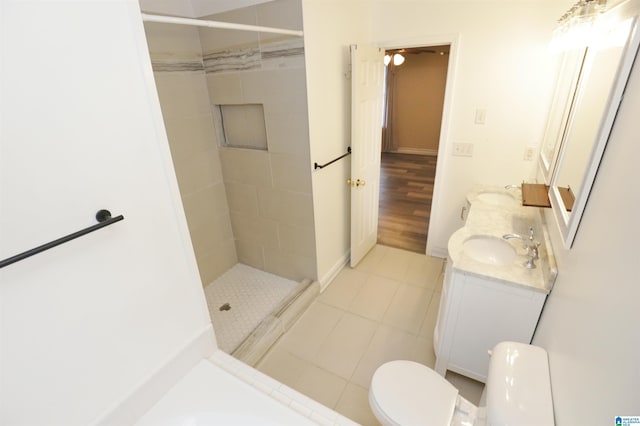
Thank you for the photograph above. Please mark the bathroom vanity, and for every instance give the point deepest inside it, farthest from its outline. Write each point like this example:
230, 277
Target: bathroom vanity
488, 295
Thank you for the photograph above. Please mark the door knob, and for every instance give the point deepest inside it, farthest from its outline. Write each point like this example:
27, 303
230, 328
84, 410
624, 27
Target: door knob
357, 182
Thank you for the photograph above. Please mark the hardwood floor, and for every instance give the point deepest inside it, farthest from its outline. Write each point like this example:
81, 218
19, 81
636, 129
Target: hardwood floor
406, 188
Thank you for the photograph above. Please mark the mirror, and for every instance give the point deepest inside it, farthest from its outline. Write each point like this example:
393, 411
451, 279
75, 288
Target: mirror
563, 97
600, 85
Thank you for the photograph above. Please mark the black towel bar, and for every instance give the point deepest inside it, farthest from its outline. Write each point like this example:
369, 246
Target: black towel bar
320, 166
104, 219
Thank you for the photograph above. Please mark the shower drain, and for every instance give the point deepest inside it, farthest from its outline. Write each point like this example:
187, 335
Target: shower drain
225, 307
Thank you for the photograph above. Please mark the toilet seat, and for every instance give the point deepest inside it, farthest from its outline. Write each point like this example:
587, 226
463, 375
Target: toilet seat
406, 393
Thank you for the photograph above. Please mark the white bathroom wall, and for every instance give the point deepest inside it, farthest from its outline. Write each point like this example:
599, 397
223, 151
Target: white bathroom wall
330, 26
504, 67
87, 323
590, 323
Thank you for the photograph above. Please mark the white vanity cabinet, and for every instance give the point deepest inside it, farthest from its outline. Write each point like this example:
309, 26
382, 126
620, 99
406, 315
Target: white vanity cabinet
475, 314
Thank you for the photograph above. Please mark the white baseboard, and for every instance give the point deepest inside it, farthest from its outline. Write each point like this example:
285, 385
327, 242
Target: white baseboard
417, 151
142, 397
326, 279
441, 252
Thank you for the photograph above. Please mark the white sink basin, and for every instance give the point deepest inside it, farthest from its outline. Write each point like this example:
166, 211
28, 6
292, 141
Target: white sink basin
496, 198
489, 250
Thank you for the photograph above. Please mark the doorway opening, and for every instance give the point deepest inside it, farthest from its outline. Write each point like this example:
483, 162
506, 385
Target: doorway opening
414, 91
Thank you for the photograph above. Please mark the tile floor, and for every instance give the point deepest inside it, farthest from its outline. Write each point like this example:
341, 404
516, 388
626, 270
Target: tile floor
382, 310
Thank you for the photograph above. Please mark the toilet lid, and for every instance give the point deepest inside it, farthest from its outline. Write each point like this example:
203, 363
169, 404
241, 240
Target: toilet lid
408, 393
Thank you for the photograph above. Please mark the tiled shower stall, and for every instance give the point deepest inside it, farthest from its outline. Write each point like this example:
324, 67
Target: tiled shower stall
246, 206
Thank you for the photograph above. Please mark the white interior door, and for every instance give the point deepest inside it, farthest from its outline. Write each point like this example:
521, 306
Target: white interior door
366, 135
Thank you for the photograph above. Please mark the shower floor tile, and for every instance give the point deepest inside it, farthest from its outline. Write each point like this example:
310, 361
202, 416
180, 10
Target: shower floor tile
251, 295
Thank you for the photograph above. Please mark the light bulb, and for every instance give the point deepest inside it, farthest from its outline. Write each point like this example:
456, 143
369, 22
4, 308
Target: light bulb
398, 59
387, 60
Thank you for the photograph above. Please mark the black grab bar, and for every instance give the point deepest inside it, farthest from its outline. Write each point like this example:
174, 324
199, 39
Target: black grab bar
320, 166
104, 219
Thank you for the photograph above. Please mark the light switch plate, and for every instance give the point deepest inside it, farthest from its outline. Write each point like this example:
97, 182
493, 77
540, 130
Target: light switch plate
529, 153
463, 149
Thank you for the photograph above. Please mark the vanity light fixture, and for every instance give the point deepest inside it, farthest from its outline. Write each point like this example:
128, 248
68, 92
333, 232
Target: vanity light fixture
583, 10
576, 28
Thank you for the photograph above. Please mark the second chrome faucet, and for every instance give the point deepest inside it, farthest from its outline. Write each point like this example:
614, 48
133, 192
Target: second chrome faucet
530, 245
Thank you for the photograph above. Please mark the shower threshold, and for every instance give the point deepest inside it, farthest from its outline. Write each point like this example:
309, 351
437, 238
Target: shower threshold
274, 325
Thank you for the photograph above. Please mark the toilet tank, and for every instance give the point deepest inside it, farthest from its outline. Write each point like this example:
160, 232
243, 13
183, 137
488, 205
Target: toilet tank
519, 386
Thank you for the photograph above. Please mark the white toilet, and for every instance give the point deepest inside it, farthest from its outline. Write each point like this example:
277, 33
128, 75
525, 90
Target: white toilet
518, 392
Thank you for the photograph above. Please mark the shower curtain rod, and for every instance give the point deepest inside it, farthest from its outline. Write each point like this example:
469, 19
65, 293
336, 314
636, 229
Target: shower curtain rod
216, 24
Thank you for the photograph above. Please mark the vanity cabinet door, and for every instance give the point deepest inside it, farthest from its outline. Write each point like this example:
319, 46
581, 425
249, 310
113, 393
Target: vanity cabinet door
487, 312
437, 332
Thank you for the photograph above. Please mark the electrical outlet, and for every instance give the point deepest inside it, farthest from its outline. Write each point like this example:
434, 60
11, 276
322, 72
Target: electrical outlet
481, 116
529, 153
463, 149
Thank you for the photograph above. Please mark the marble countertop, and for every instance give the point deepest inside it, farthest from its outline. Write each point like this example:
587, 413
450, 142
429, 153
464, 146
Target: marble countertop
483, 193
496, 217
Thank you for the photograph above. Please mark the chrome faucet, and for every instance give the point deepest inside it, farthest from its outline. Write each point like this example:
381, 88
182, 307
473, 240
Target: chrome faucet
532, 246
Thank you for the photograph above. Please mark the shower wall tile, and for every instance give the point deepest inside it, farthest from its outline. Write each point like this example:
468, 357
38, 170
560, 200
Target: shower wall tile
214, 263
283, 54
246, 58
297, 239
294, 266
193, 135
282, 89
185, 105
177, 65
249, 166
285, 109
251, 254
280, 54
225, 88
182, 94
201, 206
213, 40
290, 172
288, 133
281, 14
207, 237
243, 199
197, 170
286, 207
268, 192
259, 231
284, 47
172, 41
